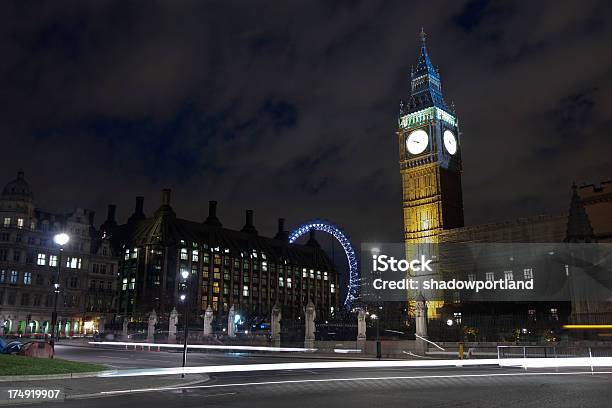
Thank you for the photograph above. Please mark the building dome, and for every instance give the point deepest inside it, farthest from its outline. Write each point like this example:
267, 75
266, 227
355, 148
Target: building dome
18, 189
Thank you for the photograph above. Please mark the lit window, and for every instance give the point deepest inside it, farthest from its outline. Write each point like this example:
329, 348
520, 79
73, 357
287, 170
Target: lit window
245, 291
127, 254
325, 275
52, 260
508, 275
554, 314
41, 259
332, 288
132, 283
19, 222
135, 253
124, 284
14, 276
73, 262
312, 274
304, 273
195, 256
289, 283
281, 281
490, 276
27, 278
528, 273
184, 254
7, 221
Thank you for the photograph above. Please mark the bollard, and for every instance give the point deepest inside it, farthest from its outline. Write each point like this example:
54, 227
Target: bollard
460, 351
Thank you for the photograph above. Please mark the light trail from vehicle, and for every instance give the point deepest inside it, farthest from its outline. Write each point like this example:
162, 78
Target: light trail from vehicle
509, 362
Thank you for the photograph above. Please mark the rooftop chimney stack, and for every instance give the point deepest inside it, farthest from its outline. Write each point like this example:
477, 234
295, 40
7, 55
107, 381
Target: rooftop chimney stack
166, 196
281, 224
312, 240
212, 219
110, 223
112, 209
281, 233
138, 210
139, 205
249, 228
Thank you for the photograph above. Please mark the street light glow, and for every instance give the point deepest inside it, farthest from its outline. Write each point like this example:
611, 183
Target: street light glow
183, 297
449, 322
61, 239
185, 274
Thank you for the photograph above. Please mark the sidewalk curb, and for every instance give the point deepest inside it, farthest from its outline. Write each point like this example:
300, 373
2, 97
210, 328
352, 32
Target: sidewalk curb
66, 376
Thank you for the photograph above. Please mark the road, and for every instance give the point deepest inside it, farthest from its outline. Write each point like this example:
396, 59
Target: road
473, 387
356, 387
121, 358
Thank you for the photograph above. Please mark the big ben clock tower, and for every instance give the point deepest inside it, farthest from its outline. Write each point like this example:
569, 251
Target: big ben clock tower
430, 157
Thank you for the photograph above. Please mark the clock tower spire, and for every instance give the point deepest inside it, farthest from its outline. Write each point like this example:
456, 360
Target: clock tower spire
430, 156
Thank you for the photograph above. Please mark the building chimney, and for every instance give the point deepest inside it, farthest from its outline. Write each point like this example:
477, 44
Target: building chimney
281, 233
249, 228
312, 240
110, 215
138, 210
212, 219
166, 196
109, 225
139, 205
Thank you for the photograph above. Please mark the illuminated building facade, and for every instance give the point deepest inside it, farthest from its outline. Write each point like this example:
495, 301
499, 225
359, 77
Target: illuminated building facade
430, 167
29, 263
226, 267
430, 157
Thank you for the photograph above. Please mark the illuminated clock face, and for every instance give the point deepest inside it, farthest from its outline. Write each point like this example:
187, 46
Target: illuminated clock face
450, 142
417, 141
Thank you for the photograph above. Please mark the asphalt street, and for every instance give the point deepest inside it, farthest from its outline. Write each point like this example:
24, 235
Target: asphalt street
122, 358
451, 387
485, 387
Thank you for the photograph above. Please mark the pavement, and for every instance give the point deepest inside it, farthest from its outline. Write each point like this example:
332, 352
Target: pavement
122, 358
439, 387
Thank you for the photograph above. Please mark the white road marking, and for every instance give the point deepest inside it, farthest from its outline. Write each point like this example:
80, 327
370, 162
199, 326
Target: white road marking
413, 377
510, 362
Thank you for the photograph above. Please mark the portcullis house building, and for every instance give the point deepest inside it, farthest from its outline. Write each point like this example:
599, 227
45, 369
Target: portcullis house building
225, 267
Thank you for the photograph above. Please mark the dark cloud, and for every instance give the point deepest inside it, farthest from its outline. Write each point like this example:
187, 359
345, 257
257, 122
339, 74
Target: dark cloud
291, 108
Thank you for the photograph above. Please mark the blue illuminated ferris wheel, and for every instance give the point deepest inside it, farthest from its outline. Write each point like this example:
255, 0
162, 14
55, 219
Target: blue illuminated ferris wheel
342, 238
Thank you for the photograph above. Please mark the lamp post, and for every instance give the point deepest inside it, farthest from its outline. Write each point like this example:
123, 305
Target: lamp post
378, 345
185, 275
60, 239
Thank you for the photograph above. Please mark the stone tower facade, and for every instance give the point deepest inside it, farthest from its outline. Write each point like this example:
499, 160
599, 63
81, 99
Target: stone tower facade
430, 157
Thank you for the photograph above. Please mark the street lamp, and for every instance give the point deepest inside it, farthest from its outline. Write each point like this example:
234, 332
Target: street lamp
60, 240
185, 275
378, 344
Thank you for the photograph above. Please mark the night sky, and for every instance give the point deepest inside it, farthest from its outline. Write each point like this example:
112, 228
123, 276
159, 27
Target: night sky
290, 108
